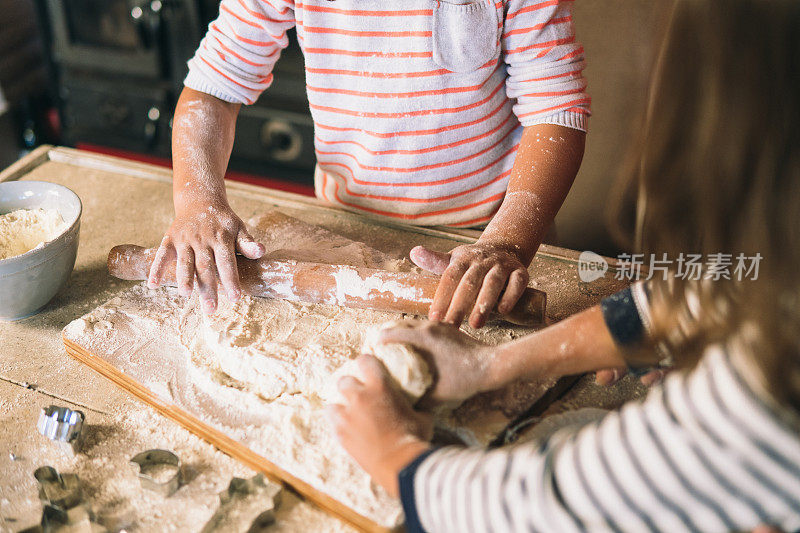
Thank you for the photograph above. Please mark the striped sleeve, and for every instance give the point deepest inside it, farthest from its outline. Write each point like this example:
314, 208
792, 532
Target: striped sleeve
545, 64
235, 59
703, 453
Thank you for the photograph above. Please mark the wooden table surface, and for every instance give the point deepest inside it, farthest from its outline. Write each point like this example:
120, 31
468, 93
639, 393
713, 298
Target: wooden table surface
131, 202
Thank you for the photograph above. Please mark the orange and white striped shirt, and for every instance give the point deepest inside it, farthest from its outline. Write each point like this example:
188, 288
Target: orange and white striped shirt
418, 105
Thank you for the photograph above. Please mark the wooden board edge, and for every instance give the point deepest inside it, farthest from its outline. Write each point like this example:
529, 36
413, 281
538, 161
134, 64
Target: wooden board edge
572, 256
117, 165
222, 442
135, 169
22, 166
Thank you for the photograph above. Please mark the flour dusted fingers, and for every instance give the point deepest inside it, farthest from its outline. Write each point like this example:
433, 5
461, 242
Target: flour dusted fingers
349, 286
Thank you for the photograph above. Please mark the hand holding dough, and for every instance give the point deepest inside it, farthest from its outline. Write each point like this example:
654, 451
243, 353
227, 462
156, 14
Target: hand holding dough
406, 366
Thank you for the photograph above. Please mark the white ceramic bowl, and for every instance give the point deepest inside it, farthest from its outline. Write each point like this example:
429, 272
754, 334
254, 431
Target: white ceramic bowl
30, 280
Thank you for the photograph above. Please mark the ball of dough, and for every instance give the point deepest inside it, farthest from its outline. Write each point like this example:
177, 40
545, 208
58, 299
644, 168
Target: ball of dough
404, 364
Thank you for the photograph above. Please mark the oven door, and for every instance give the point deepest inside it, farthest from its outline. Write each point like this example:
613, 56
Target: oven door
122, 36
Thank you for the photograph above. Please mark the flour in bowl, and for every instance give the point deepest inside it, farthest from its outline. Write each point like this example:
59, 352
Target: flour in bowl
25, 229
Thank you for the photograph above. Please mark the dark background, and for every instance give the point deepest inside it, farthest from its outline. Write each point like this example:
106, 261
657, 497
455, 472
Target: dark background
104, 75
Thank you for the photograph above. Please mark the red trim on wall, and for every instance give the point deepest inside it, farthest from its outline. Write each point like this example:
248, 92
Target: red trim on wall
253, 179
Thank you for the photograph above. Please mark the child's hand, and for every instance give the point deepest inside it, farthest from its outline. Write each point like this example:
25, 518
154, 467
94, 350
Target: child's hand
610, 376
473, 279
204, 239
378, 426
462, 365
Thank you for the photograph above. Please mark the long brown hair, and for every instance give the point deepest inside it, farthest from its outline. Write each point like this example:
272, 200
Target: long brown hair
718, 171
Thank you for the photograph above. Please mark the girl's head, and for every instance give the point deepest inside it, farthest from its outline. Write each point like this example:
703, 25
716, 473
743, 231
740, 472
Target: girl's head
718, 171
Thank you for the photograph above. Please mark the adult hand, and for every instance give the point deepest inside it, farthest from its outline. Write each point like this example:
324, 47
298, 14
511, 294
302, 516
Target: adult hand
462, 365
474, 277
204, 239
377, 426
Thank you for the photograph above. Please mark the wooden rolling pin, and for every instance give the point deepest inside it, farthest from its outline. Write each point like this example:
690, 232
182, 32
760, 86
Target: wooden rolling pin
300, 281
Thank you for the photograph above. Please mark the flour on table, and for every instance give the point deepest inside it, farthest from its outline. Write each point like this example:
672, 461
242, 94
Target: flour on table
159, 339
260, 369
275, 347
25, 229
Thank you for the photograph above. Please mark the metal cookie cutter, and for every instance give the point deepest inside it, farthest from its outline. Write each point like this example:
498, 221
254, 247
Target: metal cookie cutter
246, 505
148, 461
75, 520
58, 490
57, 520
61, 425
64, 509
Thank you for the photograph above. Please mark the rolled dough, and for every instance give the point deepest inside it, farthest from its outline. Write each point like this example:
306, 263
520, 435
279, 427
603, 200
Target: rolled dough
406, 366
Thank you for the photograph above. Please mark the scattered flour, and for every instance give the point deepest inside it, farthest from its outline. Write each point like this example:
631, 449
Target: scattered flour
276, 347
25, 229
349, 284
259, 369
159, 339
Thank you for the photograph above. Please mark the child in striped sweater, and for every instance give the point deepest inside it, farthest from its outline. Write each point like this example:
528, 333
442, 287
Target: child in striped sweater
717, 446
454, 112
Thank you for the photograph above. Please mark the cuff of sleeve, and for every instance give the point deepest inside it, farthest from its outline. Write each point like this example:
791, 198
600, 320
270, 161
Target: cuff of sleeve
622, 318
406, 484
629, 320
568, 119
198, 82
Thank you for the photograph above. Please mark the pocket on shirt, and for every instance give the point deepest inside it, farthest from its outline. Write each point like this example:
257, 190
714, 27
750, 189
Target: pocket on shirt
465, 34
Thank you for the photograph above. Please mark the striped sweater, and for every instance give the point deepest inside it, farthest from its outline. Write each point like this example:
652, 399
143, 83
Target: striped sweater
418, 105
707, 452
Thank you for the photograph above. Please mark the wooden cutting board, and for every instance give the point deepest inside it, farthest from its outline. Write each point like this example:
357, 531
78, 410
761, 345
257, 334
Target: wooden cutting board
235, 449
141, 360
116, 365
